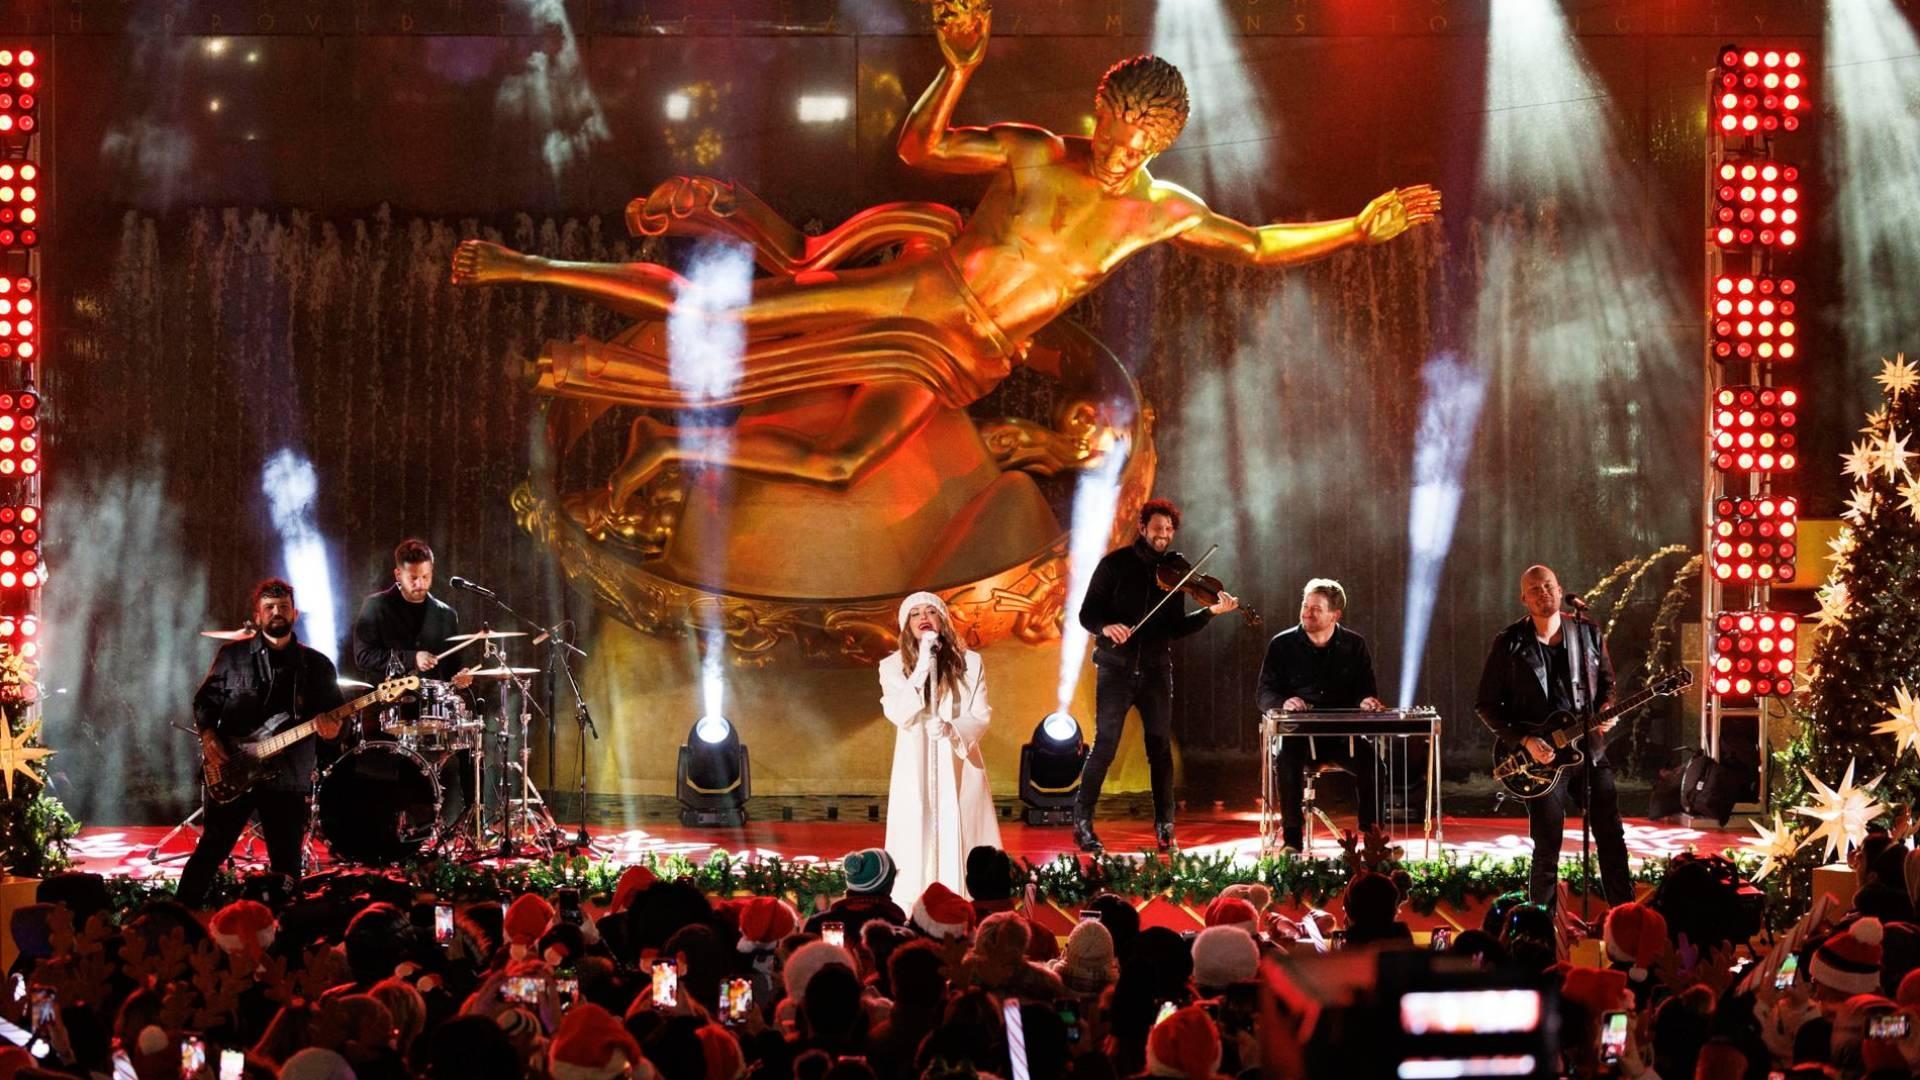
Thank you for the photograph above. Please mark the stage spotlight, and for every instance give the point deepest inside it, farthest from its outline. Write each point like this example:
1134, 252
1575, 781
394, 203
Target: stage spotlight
1752, 655
1754, 539
823, 108
1756, 204
713, 780
1758, 93
1753, 429
1050, 770
1753, 318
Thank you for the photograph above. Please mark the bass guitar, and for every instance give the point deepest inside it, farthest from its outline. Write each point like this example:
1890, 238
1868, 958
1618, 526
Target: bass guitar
246, 763
1526, 778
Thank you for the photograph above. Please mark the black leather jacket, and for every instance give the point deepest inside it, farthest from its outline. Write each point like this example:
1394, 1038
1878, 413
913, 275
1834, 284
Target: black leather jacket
232, 701
1514, 701
1123, 590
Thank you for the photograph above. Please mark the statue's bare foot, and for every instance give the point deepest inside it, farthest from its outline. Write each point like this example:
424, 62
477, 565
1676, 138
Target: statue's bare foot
478, 262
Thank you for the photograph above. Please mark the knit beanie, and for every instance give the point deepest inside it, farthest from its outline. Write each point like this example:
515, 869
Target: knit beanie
591, 1045
941, 913
1087, 966
1636, 935
315, 1063
867, 871
764, 921
807, 961
1002, 938
1185, 1044
1849, 961
1233, 911
1224, 954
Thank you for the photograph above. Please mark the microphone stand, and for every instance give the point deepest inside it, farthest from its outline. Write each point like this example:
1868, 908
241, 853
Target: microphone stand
559, 654
1576, 671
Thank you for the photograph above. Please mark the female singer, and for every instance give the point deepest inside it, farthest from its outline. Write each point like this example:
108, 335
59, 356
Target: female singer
934, 690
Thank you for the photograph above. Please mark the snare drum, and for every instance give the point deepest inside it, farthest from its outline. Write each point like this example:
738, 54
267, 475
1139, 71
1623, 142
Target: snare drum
438, 722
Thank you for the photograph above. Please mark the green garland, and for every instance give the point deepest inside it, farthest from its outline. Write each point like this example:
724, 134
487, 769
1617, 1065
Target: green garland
1065, 881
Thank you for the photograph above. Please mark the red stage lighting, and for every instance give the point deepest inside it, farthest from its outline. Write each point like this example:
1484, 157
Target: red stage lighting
1753, 318
19, 318
1756, 203
20, 549
19, 98
1753, 429
19, 437
1758, 93
1752, 655
1754, 539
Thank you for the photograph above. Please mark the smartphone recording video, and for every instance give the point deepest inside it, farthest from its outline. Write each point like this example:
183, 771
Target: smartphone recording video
1788, 973
834, 934
522, 989
736, 1000
193, 1056
1613, 1038
666, 985
443, 923
1887, 1025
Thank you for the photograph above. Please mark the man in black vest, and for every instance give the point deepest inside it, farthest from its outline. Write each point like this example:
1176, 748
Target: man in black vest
1133, 664
1545, 663
250, 683
1320, 665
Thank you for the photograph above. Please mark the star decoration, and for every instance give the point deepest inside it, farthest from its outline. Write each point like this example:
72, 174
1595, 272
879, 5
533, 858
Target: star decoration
1834, 602
1861, 461
1897, 376
1840, 546
1876, 420
1904, 724
1911, 493
1843, 812
1859, 507
1774, 846
1893, 454
16, 756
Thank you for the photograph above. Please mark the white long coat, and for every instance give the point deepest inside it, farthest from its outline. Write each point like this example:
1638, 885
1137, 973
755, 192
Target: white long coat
938, 806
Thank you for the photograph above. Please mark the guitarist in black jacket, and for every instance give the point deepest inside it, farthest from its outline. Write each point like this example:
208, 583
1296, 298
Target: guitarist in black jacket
1530, 673
250, 683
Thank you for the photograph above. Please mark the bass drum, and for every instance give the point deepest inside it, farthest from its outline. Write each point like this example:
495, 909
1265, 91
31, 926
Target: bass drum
381, 804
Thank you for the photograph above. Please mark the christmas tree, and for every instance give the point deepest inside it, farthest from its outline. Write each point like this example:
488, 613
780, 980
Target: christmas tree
34, 827
1859, 711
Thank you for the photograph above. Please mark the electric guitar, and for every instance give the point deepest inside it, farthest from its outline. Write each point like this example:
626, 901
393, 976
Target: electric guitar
246, 763
1526, 778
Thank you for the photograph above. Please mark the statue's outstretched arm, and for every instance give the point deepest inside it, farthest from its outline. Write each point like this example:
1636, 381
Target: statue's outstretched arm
927, 138
1217, 236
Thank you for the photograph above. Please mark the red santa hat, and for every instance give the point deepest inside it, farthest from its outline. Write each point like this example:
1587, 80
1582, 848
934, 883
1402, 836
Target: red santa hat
592, 1045
1636, 935
1185, 1044
764, 920
527, 918
1233, 911
242, 927
1596, 990
634, 880
1849, 961
941, 913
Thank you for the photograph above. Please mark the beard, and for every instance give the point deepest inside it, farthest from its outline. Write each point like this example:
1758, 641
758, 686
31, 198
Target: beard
279, 626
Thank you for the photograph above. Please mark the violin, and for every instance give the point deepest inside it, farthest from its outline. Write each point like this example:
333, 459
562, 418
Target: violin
1204, 588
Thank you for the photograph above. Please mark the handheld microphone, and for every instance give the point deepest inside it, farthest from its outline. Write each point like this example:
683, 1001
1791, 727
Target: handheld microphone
459, 582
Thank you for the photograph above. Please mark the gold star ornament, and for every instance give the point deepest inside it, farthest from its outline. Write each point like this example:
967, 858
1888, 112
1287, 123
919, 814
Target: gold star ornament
1861, 461
1892, 454
1774, 846
1859, 507
1904, 721
1843, 813
1897, 376
16, 756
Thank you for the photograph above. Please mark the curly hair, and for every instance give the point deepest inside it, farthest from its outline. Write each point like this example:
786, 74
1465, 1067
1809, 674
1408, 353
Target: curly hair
1153, 508
1149, 92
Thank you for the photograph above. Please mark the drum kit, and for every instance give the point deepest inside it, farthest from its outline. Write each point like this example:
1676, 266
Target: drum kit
411, 780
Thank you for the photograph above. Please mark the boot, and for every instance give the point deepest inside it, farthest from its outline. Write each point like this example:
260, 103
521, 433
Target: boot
1163, 834
1083, 835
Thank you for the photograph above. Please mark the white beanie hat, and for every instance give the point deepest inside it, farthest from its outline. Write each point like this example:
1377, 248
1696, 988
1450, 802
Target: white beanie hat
918, 599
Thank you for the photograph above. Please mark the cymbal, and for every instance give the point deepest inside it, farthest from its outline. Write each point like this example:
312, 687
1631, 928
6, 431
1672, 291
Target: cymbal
482, 635
353, 684
245, 633
503, 672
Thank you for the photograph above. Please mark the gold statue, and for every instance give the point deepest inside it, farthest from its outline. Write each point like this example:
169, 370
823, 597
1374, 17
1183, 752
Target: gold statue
939, 326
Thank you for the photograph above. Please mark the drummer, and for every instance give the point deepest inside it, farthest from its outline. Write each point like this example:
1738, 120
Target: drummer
403, 629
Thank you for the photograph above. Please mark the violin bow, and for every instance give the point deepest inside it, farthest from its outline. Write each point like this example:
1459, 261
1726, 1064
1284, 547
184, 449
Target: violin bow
1175, 591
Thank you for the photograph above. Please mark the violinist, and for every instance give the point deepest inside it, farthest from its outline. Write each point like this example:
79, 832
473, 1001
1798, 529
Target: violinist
1133, 662
1320, 665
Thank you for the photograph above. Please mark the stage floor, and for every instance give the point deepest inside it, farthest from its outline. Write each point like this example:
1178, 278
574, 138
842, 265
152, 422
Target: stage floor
128, 851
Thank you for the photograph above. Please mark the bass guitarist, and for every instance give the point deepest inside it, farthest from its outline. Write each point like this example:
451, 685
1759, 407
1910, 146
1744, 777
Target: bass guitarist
251, 682
1541, 664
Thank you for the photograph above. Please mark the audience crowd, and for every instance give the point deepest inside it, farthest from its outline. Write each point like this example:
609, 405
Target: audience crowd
361, 977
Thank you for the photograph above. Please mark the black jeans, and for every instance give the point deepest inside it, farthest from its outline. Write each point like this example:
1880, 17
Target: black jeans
283, 821
1294, 760
1115, 691
1547, 824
